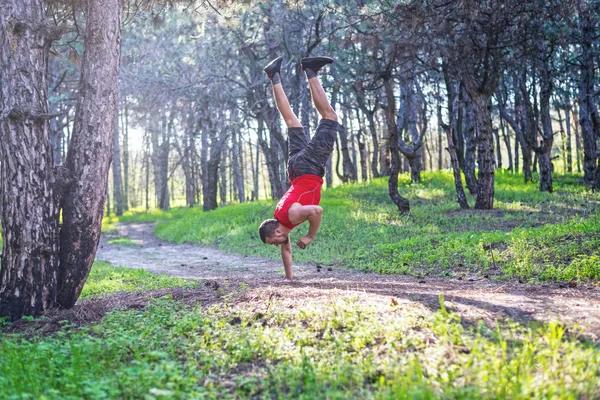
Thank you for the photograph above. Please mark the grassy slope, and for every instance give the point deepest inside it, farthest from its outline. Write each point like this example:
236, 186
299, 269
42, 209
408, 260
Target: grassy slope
529, 235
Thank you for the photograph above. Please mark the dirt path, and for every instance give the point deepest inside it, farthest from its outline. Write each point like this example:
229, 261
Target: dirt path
478, 299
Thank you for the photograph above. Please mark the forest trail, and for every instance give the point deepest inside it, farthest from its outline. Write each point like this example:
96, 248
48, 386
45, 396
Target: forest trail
475, 299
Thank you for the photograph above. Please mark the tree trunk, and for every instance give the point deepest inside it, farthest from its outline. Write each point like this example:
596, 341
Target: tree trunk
147, 169
498, 148
362, 149
186, 150
524, 127
485, 149
116, 168
453, 108
568, 146
255, 173
160, 162
223, 175
126, 157
88, 159
460, 192
578, 146
28, 276
590, 131
506, 138
545, 148
470, 132
348, 167
402, 204
271, 158
211, 159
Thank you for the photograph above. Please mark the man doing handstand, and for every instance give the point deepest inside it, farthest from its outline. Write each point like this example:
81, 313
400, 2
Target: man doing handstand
306, 163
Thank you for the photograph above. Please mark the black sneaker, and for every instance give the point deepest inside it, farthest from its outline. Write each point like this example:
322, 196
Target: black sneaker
315, 63
273, 67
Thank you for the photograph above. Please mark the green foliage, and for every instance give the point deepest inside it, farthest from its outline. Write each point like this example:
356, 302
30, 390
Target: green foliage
105, 279
346, 348
529, 234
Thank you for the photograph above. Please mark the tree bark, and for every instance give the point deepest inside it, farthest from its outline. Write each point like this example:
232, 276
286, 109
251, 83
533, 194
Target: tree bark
568, 146
271, 154
402, 204
453, 99
116, 168
485, 149
126, 156
588, 116
506, 138
370, 115
470, 132
545, 148
223, 174
362, 149
211, 160
89, 156
29, 270
347, 165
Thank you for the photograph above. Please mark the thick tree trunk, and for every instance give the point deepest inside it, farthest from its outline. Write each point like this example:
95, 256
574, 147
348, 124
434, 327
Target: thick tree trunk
28, 276
90, 153
485, 149
116, 168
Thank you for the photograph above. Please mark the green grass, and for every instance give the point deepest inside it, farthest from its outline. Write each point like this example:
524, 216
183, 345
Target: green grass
528, 235
123, 241
105, 279
344, 349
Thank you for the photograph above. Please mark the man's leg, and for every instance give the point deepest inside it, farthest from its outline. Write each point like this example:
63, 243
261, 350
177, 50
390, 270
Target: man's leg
311, 67
281, 99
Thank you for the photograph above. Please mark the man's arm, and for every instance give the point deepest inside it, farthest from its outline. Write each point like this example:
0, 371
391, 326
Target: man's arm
313, 214
286, 256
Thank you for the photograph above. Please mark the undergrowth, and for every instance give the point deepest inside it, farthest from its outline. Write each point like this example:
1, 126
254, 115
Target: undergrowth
345, 348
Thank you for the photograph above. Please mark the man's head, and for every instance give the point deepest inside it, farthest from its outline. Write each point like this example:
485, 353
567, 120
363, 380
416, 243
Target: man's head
271, 233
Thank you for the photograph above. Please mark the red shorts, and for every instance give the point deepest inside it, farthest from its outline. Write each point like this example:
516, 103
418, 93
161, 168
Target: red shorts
306, 190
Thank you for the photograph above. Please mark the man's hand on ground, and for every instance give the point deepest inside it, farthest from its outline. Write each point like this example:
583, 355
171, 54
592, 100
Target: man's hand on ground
304, 241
